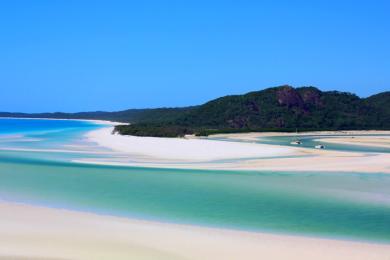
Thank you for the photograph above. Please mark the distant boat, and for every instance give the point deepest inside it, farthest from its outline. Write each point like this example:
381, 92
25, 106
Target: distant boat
296, 141
319, 146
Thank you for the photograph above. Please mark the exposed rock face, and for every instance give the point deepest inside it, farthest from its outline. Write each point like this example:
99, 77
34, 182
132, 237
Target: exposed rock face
288, 96
311, 95
282, 107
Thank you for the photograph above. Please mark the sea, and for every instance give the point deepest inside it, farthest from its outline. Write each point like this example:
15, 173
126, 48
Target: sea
37, 167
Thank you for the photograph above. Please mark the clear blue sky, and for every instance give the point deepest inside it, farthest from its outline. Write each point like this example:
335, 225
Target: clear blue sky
111, 55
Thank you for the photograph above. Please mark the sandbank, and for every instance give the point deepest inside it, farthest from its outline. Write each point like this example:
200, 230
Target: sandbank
203, 153
32, 232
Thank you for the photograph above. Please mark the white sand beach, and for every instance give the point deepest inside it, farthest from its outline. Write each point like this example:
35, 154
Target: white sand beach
182, 149
32, 232
36, 232
167, 152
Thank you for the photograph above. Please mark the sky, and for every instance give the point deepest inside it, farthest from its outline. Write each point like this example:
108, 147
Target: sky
111, 55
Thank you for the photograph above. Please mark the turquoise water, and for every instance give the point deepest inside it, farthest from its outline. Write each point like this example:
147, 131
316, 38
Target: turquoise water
339, 205
310, 141
30, 133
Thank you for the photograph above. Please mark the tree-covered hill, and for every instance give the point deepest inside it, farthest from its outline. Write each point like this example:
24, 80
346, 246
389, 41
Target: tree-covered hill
281, 108
381, 108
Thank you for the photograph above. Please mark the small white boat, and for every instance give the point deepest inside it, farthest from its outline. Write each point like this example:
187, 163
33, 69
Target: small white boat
319, 146
296, 141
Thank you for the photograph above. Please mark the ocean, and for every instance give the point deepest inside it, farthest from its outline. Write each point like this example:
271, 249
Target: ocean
36, 167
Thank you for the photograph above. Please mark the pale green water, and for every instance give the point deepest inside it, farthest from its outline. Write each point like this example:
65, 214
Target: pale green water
351, 206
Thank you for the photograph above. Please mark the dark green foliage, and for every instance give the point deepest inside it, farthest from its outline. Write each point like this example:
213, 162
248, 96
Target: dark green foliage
153, 130
284, 109
281, 108
379, 114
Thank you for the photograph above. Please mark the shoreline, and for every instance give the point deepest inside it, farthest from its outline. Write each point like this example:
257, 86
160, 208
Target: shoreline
188, 150
251, 136
152, 152
96, 121
28, 231
374, 141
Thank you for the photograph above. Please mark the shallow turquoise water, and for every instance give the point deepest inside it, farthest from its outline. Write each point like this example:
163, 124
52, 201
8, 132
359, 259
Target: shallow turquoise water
310, 141
343, 205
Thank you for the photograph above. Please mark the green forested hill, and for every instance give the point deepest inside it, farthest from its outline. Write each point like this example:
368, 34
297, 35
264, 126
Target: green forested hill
380, 113
281, 108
